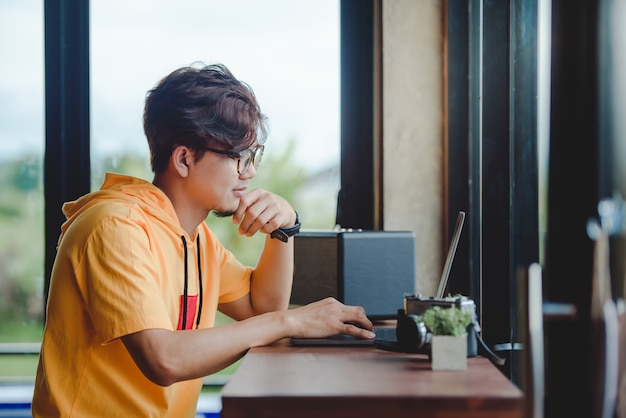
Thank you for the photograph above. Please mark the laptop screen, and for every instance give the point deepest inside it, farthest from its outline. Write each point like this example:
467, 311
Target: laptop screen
443, 282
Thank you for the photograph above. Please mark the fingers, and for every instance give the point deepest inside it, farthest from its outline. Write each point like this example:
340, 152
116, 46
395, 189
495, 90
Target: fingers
350, 316
359, 332
261, 211
360, 326
329, 316
255, 218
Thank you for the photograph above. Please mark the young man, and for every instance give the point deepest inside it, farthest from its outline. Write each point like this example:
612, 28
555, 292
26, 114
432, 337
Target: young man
139, 276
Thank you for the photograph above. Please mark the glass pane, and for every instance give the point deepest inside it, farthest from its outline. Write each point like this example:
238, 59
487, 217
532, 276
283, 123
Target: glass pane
543, 117
618, 139
287, 51
21, 185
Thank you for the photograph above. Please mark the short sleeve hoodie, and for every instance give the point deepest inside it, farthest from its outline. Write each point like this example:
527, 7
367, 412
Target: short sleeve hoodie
124, 265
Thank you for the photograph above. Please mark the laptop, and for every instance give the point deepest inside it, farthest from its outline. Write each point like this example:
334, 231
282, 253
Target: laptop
386, 333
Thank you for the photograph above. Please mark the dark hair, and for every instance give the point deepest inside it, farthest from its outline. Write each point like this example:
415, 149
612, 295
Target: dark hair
200, 107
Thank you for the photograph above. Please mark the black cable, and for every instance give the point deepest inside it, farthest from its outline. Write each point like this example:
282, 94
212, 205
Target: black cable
199, 284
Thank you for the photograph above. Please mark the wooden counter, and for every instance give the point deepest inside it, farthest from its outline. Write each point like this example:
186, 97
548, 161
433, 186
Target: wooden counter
284, 381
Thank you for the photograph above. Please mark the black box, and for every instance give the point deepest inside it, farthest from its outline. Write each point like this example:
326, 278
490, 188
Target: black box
373, 269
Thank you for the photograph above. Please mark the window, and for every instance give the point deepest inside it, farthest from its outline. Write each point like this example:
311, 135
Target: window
264, 44
287, 51
21, 186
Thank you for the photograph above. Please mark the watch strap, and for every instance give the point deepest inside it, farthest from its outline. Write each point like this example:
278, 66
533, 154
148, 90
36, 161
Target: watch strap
283, 234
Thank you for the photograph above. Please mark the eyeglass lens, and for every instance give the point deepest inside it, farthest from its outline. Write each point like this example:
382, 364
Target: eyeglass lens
249, 156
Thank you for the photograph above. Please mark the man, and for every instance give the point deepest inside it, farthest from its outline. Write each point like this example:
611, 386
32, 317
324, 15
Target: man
139, 276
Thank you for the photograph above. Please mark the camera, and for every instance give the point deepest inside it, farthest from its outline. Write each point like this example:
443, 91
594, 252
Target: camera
413, 335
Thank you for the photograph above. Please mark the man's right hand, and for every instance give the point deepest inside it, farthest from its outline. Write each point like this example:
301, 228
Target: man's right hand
329, 316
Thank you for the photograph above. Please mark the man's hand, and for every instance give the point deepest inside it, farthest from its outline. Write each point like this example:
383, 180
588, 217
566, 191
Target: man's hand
263, 211
329, 316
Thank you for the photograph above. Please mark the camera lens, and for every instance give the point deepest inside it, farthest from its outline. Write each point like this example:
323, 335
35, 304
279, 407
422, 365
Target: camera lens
412, 333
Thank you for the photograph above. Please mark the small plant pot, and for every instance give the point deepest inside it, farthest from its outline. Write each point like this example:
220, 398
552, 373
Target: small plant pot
448, 352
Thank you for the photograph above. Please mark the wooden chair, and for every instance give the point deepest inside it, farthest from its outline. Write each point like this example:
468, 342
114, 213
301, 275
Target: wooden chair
605, 330
620, 402
530, 311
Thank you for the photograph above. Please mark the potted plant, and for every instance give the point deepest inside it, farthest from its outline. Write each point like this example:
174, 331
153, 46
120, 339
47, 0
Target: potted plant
448, 345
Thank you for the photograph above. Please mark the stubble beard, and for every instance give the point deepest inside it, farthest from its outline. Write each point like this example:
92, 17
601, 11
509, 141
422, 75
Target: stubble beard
223, 213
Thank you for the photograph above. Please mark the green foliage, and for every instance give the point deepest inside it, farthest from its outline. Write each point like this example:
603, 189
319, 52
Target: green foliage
22, 223
17, 367
22, 244
20, 331
447, 321
27, 175
126, 163
280, 172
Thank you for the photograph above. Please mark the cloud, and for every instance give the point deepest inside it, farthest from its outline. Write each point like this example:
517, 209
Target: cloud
287, 50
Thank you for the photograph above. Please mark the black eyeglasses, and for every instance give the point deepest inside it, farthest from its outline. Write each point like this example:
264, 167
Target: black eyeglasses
244, 158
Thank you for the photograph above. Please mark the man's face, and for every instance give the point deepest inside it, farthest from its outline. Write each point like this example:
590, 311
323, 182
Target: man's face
216, 184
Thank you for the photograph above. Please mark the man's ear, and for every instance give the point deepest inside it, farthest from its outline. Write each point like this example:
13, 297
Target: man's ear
182, 157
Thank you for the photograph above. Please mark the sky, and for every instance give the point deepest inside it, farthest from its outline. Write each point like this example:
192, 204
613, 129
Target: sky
286, 50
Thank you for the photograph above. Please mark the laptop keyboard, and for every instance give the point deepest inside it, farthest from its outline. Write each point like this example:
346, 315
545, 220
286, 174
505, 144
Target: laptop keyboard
385, 333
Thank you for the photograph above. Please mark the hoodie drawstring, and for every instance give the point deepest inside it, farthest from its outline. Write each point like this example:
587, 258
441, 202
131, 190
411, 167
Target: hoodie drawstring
199, 282
185, 290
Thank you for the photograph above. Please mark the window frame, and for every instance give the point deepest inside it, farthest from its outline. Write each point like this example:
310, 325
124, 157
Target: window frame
484, 122
67, 157
493, 131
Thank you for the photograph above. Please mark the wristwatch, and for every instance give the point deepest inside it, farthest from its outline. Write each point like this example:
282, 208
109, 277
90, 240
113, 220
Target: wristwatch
283, 234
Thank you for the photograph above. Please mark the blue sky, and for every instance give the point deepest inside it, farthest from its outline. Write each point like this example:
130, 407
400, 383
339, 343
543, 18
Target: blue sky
287, 50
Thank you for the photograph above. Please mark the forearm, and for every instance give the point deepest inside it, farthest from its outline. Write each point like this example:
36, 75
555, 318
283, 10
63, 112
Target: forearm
265, 212
166, 356
272, 279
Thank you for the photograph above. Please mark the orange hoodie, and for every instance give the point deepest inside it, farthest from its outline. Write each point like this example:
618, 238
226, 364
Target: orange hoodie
124, 265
